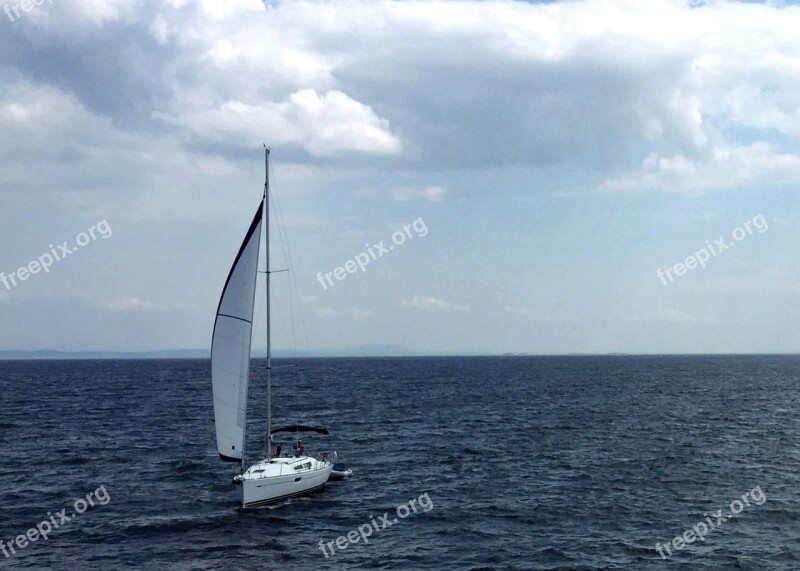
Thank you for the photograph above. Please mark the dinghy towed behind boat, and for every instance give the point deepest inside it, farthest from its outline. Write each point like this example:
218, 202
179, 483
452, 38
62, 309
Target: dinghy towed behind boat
278, 476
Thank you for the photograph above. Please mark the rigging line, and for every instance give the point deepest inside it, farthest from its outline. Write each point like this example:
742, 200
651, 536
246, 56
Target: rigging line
293, 282
279, 314
285, 245
285, 331
275, 301
293, 290
283, 327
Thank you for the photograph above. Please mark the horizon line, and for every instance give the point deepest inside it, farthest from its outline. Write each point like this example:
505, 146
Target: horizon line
163, 354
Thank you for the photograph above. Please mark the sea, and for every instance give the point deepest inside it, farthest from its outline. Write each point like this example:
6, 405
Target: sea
475, 463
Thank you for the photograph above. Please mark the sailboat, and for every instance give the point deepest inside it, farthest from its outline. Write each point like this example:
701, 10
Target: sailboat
278, 476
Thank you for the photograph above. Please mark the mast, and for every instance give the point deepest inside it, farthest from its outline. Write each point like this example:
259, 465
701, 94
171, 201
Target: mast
269, 313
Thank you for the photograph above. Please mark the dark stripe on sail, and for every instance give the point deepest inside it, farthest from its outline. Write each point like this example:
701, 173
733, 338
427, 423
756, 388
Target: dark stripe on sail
229, 458
234, 317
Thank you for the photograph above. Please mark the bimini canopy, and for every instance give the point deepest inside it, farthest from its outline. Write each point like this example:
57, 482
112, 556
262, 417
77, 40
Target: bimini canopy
300, 428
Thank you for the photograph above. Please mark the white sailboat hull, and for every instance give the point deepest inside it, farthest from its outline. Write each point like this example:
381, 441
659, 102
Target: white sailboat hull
280, 479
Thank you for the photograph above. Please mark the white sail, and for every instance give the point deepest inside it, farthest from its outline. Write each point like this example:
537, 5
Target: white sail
230, 346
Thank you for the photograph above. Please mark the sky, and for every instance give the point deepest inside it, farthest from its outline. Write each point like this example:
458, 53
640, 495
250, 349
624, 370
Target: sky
556, 167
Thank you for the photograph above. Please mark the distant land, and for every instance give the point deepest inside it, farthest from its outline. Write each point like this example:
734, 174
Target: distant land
48, 355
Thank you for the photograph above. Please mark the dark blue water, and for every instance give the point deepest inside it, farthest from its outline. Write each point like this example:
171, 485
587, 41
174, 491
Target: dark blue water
529, 463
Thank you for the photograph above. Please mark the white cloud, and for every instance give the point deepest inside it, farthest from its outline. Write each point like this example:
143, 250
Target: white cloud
217, 10
430, 193
675, 316
428, 302
95, 12
352, 312
351, 234
709, 95
46, 127
131, 304
361, 313
323, 124
328, 312
516, 311
724, 168
106, 170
